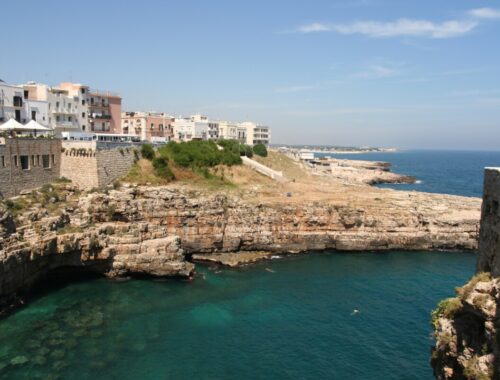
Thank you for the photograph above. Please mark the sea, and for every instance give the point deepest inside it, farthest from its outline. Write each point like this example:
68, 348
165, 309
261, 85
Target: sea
324, 315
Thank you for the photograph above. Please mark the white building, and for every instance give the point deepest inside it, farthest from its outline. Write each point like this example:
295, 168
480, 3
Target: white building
256, 133
67, 105
12, 105
187, 129
228, 131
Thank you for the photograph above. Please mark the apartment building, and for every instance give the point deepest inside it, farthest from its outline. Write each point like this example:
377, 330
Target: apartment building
105, 111
256, 133
12, 104
66, 108
228, 130
149, 126
190, 128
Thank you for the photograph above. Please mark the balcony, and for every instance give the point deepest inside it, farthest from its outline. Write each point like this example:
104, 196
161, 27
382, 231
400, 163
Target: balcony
100, 116
98, 105
62, 111
66, 124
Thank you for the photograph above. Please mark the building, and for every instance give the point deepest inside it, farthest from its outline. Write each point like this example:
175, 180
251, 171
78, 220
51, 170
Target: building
191, 128
256, 133
149, 126
228, 130
105, 111
12, 104
27, 163
66, 106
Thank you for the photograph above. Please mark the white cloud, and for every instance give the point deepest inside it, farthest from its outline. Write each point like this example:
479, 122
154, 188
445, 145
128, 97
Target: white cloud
488, 13
377, 71
315, 27
289, 89
401, 27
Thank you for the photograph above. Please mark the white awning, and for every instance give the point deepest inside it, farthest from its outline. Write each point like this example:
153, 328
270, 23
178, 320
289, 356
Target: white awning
35, 126
11, 125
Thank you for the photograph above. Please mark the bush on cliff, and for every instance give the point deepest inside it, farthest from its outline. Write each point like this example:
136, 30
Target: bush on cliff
246, 150
199, 154
147, 151
260, 150
446, 309
161, 168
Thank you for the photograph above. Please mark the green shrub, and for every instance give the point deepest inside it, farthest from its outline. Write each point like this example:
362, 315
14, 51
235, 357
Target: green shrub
200, 154
147, 151
447, 308
246, 150
465, 291
161, 168
260, 150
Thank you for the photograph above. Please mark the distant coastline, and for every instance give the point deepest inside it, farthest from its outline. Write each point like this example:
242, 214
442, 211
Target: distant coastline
335, 149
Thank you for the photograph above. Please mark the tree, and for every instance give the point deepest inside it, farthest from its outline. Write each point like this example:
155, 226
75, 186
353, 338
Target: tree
260, 150
147, 151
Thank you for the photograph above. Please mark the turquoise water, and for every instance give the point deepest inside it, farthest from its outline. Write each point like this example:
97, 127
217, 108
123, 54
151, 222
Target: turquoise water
448, 172
284, 319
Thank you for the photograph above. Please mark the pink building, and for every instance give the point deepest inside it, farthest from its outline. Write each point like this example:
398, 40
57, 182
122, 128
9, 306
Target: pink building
105, 109
149, 126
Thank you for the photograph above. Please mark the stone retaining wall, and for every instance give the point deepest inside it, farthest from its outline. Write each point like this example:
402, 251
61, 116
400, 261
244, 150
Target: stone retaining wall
27, 163
90, 164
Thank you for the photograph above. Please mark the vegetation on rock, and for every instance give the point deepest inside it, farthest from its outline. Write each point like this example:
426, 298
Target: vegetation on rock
147, 151
260, 150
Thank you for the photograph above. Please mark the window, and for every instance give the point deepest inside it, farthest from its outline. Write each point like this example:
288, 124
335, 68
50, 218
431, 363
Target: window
57, 104
152, 126
83, 102
25, 162
83, 127
15, 161
83, 115
69, 118
45, 161
26, 94
57, 118
83, 91
33, 115
37, 160
3, 161
161, 127
18, 101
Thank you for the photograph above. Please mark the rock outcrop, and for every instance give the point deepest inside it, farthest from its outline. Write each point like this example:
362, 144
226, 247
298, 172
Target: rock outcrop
154, 231
467, 327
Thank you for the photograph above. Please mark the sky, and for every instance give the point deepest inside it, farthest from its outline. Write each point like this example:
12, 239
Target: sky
391, 73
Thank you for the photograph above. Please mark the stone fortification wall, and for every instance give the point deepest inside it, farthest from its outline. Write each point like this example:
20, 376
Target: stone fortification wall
90, 164
27, 163
489, 237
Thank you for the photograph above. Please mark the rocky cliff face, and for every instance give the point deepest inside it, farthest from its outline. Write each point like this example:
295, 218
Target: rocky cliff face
467, 327
154, 231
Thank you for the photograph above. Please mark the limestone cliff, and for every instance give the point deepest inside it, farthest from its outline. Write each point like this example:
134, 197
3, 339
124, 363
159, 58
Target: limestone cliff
154, 231
467, 327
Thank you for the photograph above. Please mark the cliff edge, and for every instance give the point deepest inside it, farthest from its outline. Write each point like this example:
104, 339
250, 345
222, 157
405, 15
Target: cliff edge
467, 327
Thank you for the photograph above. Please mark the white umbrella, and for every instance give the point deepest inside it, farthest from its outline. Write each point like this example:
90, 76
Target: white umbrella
35, 126
11, 125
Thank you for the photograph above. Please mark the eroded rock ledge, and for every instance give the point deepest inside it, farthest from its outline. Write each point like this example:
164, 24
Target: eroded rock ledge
155, 231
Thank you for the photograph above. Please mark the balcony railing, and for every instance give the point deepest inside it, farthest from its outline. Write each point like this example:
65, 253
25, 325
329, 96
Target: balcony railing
97, 116
62, 111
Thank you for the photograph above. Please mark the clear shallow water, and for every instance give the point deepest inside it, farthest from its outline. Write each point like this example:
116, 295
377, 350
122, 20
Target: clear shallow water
248, 324
447, 172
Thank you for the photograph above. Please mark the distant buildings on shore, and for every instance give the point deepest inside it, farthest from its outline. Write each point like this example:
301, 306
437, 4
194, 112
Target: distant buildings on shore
76, 111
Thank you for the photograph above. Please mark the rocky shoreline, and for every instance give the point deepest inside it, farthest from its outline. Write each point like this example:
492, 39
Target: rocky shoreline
161, 231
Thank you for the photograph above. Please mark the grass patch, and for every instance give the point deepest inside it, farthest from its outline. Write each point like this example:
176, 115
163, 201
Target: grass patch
467, 289
447, 308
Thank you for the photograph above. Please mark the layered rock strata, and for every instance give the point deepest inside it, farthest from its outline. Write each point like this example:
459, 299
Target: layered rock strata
155, 231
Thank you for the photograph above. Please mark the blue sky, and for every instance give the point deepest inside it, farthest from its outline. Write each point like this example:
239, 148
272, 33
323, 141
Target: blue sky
412, 74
